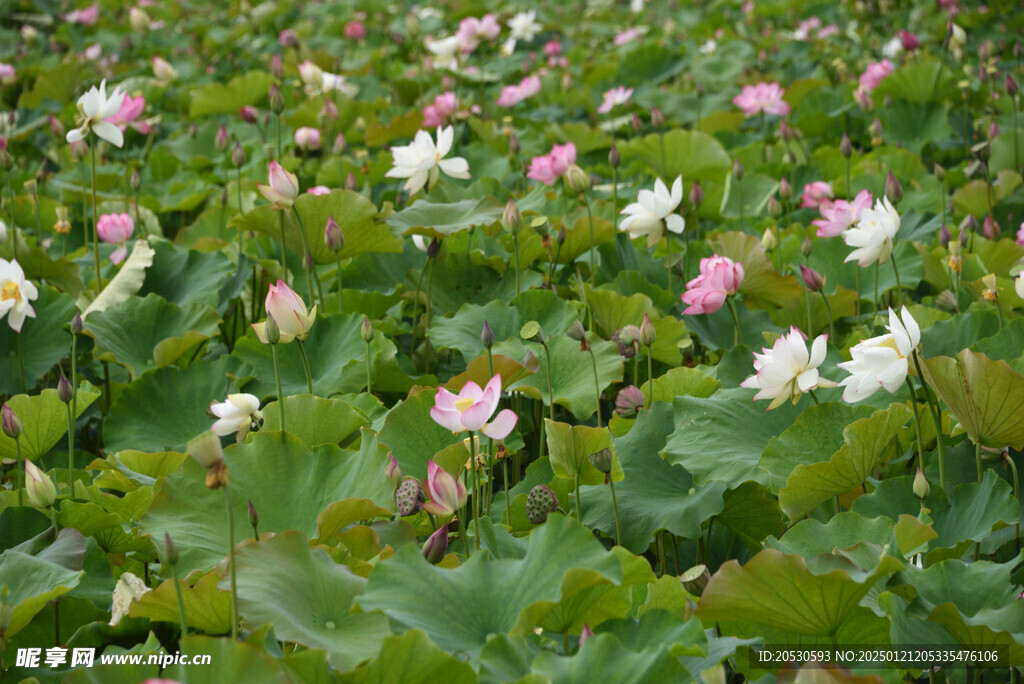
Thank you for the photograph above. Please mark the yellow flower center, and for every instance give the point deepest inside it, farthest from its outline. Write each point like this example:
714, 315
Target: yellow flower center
10, 290
891, 344
463, 404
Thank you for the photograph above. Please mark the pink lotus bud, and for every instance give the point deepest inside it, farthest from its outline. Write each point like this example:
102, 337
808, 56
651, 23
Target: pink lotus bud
238, 155
447, 494
813, 280
282, 187
350, 183
287, 38
628, 401
57, 129
333, 237
289, 314
307, 138
116, 229
163, 71
436, 545
222, 140
393, 470
277, 66
340, 144
696, 195
11, 423
990, 229
585, 634
355, 30
785, 190
248, 114
647, 332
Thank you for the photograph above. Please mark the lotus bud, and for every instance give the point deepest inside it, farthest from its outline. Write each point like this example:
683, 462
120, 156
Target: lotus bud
79, 149
944, 235
512, 220
990, 293
277, 65
629, 401
238, 156
577, 179
657, 118
393, 470
982, 151
785, 189
993, 131
409, 497
76, 324
540, 502
513, 144
737, 169
1010, 85
875, 129
333, 237
11, 423
57, 129
602, 460
990, 228
696, 195
774, 207
576, 332
560, 236
272, 331
433, 248
647, 332
487, 335
788, 133
696, 579
222, 140
276, 99
138, 20
893, 191
614, 158
65, 392
946, 301
366, 331
585, 634
768, 241
170, 554
635, 122
700, 88
806, 247
845, 146
254, 518
248, 114
921, 488
39, 487
940, 172
206, 449
436, 545
813, 280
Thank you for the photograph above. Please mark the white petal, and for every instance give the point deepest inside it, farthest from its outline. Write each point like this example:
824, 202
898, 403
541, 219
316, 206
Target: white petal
109, 132
675, 223
456, 167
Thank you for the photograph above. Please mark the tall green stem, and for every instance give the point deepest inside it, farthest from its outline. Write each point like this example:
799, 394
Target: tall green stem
899, 287
590, 226
181, 601
917, 425
831, 321
597, 385
95, 224
615, 509
277, 381
515, 252
547, 368
307, 261
369, 382
71, 452
736, 320
14, 227
977, 460
937, 417
649, 399
21, 364
476, 492
21, 463
231, 562
340, 307
576, 486
305, 365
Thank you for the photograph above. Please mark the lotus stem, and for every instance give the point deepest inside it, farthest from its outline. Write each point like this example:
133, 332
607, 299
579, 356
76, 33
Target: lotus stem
736, 320
14, 227
369, 381
340, 307
597, 384
917, 425
547, 368
21, 365
899, 287
416, 308
277, 381
476, 492
307, 261
814, 397
576, 486
515, 252
615, 510
95, 224
668, 261
284, 252
462, 533
21, 461
71, 451
231, 562
508, 504
305, 365
937, 417
1016, 494
650, 379
181, 601
831, 320
590, 225
874, 307
858, 296
977, 460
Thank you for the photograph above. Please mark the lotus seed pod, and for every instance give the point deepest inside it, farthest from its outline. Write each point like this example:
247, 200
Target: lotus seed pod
409, 497
541, 501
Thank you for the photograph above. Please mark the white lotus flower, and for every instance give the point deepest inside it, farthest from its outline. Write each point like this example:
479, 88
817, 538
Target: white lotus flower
881, 361
524, 27
1018, 284
445, 52
237, 414
653, 212
15, 294
421, 160
93, 109
873, 234
786, 370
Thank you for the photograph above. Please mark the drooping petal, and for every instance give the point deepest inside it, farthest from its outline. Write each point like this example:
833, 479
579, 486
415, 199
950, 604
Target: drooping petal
502, 425
109, 132
449, 419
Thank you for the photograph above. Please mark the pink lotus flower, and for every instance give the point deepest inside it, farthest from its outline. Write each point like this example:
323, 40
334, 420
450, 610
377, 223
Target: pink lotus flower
1020, 235
439, 113
355, 30
514, 94
307, 138
130, 110
827, 31
282, 188
7, 74
627, 36
719, 277
552, 48
550, 167
319, 190
875, 74
289, 312
473, 31
287, 38
447, 494
472, 409
910, 41
115, 229
763, 97
816, 195
804, 28
615, 97
838, 216
85, 17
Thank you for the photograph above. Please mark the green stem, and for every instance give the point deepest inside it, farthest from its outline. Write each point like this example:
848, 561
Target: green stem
71, 452
181, 602
615, 199
764, 139
660, 539
917, 425
858, 296
430, 289
615, 510
590, 225
899, 288
305, 365
1016, 147
462, 533
668, 260
977, 460
340, 307
277, 381
95, 224
1016, 495
284, 252
515, 251
21, 462
814, 397
504, 477
231, 563
21, 365
736, 320
14, 227
416, 308
476, 492
576, 486
650, 380
597, 385
307, 261
551, 394
831, 321
937, 417
874, 307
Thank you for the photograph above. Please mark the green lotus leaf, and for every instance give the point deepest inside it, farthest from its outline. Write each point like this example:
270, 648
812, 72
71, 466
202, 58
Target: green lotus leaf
230, 661
313, 419
411, 658
207, 608
44, 420
413, 436
442, 220
186, 276
604, 656
760, 280
28, 582
43, 341
217, 98
752, 512
694, 155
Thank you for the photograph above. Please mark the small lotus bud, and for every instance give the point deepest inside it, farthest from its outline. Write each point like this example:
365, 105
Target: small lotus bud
433, 248
585, 634
944, 235
277, 65
993, 131
487, 335
79, 149
540, 502
990, 228
39, 487
366, 331
806, 247
238, 155
657, 118
921, 488
560, 236
224, 196
788, 133
531, 331
65, 392
700, 88
57, 129
436, 545
222, 140
875, 129
614, 158
577, 178
272, 332
626, 337
333, 237
276, 99
254, 518
893, 191
513, 144
308, 262
628, 401
602, 460
76, 324
1010, 85
647, 332
576, 332
845, 146
350, 183
774, 207
946, 301
696, 579
170, 555
393, 470
636, 123
409, 497
785, 189
340, 145
737, 169
768, 241
696, 195
193, 131
813, 280
206, 449
940, 173
11, 423
248, 114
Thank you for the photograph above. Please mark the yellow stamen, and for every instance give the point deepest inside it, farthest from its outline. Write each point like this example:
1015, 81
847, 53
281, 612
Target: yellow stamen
463, 404
10, 290
891, 344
